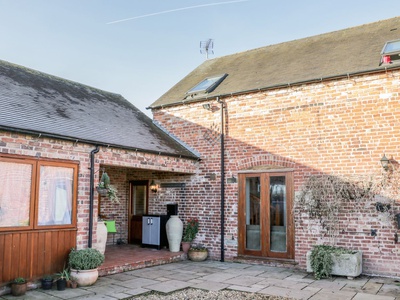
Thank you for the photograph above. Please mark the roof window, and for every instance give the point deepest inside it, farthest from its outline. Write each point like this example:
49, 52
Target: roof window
207, 85
390, 52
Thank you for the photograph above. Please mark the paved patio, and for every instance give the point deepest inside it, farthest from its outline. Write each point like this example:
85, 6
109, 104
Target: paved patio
214, 276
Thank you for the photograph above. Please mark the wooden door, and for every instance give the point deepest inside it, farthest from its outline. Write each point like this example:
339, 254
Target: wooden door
265, 215
137, 208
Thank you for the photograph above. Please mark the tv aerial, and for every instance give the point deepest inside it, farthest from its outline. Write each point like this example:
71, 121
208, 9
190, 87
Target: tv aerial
206, 47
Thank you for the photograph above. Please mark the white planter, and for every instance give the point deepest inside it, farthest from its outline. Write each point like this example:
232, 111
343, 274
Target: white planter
349, 265
174, 230
84, 277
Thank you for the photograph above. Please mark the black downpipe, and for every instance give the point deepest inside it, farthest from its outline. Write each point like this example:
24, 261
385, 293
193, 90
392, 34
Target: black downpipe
222, 182
91, 195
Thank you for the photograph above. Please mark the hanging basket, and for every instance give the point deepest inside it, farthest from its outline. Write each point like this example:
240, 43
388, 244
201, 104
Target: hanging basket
102, 191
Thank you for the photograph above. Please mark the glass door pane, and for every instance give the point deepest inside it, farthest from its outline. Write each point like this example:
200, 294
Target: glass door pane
277, 198
139, 200
253, 205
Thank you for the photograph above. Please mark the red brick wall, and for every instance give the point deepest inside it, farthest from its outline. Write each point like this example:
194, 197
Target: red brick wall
121, 165
335, 127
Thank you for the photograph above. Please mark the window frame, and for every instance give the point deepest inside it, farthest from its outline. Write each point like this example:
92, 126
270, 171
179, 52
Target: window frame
34, 195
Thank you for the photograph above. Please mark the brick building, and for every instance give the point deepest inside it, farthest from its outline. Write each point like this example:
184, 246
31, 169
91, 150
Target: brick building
57, 137
326, 105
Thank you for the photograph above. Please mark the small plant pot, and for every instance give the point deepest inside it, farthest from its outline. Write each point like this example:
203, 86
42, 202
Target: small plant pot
47, 284
61, 284
102, 191
185, 247
18, 289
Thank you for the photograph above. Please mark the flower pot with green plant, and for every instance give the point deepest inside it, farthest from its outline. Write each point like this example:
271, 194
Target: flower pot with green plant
198, 253
18, 286
84, 264
63, 277
104, 188
191, 230
47, 282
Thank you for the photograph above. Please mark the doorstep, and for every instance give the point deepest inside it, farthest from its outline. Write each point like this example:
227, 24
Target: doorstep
122, 258
274, 262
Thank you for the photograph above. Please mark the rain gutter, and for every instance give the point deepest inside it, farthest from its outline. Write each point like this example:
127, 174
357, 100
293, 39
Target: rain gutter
91, 195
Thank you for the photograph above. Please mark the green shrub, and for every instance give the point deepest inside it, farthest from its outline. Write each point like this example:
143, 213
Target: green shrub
85, 259
321, 259
19, 280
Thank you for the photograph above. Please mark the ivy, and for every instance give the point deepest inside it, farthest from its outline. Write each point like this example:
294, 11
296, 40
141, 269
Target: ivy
321, 259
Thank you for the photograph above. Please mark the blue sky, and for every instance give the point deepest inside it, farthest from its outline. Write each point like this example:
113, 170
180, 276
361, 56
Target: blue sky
145, 55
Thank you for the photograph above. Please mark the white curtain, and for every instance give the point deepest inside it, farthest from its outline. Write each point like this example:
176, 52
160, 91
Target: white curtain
55, 195
15, 194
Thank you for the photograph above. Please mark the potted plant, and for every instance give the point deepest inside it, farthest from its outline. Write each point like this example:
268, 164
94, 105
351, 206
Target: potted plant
190, 233
104, 188
63, 277
197, 253
325, 260
47, 282
84, 264
18, 286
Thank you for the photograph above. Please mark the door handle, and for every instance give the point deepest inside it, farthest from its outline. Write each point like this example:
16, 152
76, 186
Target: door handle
148, 221
151, 221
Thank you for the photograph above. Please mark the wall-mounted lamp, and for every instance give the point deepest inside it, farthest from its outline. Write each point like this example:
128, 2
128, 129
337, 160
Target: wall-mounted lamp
207, 106
385, 162
153, 186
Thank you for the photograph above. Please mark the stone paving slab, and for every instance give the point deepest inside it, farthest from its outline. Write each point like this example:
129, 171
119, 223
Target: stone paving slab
134, 292
363, 296
210, 286
150, 273
219, 277
249, 289
333, 295
137, 283
244, 280
169, 286
284, 292
390, 290
328, 285
107, 289
371, 287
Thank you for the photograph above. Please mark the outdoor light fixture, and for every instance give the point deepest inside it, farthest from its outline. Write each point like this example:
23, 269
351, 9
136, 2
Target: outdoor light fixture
207, 106
153, 186
385, 162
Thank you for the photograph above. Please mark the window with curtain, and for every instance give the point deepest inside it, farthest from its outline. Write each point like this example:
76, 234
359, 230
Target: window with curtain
15, 193
37, 193
55, 195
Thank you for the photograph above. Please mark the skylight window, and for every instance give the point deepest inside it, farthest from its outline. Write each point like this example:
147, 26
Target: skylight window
207, 85
390, 52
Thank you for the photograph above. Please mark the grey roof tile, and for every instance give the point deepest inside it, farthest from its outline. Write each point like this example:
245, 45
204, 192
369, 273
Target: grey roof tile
31, 101
337, 53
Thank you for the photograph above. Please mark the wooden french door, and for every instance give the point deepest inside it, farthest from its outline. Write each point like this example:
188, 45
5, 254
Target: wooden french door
138, 206
266, 226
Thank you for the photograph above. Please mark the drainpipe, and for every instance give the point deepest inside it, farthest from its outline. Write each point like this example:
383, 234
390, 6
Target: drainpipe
222, 181
91, 195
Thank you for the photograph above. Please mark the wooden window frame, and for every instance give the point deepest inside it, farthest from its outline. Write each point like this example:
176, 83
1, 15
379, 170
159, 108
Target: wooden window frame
34, 197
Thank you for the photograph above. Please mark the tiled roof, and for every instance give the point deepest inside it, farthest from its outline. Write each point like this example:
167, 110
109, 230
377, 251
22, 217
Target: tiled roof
335, 54
35, 102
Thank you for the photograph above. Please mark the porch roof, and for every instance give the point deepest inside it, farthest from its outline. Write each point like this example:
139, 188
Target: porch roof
337, 54
38, 103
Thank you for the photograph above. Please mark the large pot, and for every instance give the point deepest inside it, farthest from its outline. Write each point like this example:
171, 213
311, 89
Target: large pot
197, 255
18, 289
174, 229
101, 237
84, 277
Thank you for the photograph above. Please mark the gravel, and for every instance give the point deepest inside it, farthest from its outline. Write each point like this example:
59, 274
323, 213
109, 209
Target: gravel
197, 294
